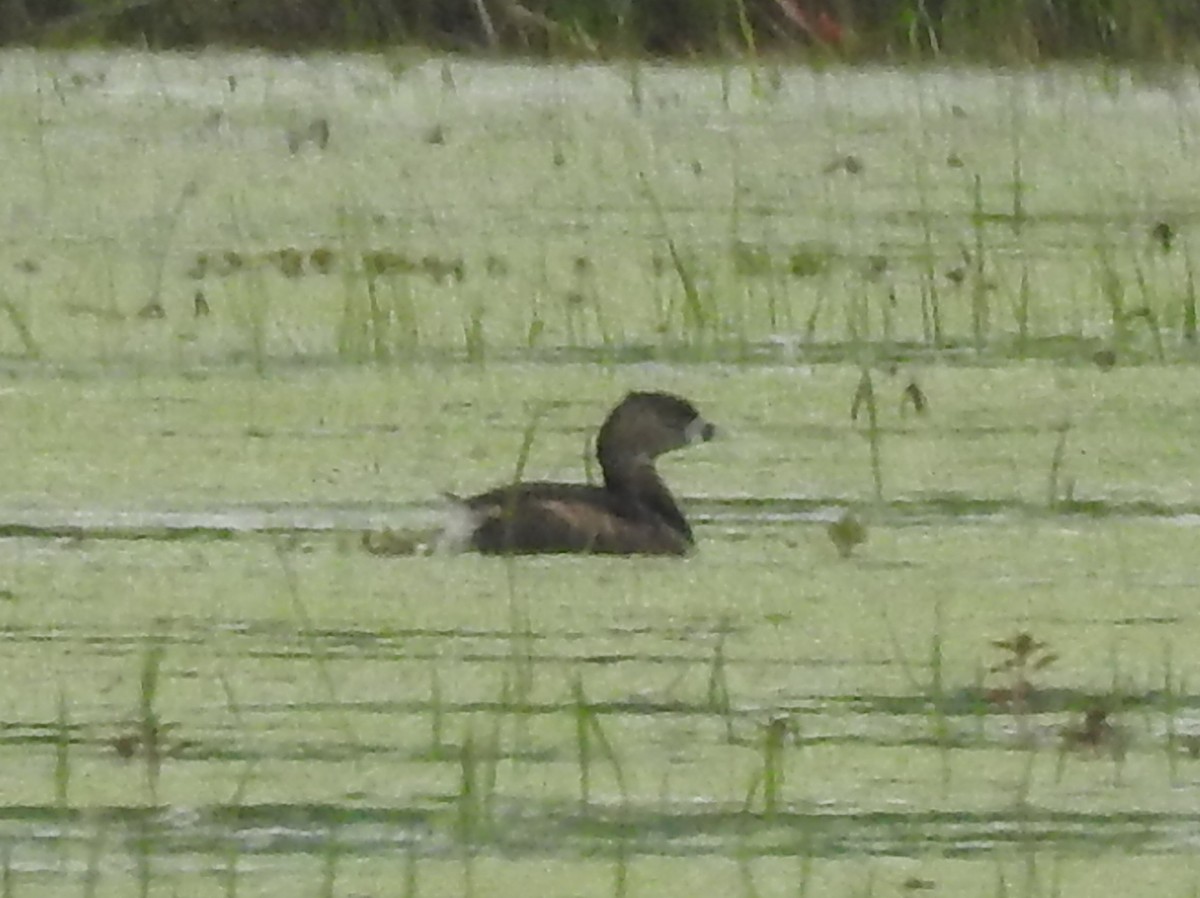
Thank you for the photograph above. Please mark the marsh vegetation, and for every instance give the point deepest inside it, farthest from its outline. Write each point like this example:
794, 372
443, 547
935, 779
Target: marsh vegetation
254, 306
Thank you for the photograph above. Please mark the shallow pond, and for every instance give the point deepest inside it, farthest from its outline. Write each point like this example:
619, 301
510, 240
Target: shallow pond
235, 338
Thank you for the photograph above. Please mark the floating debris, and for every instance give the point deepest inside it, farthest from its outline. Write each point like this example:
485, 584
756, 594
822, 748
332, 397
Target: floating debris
322, 259
913, 394
805, 262
495, 265
876, 267
386, 261
1105, 359
396, 542
1095, 733
1164, 235
151, 310
199, 267
849, 163
289, 261
231, 261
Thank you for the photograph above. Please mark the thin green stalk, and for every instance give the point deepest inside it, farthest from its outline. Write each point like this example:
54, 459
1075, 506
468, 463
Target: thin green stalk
621, 868
979, 291
229, 873
522, 461
907, 668
1148, 315
937, 691
1022, 309
521, 638
143, 851
150, 730
485, 23
20, 323
594, 739
377, 320
864, 396
411, 870
637, 97
163, 249
474, 338
1170, 708
307, 631
1015, 132
931, 313
804, 875
718, 683
747, 31
583, 743
695, 315
1113, 291
746, 871
774, 735
91, 872
1053, 494
490, 762
437, 713
468, 820
7, 876
1189, 300
62, 754
329, 866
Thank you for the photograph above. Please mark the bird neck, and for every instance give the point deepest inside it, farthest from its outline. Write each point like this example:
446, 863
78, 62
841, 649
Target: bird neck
637, 480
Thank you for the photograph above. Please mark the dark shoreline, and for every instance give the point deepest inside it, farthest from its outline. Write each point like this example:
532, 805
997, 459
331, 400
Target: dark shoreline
1009, 31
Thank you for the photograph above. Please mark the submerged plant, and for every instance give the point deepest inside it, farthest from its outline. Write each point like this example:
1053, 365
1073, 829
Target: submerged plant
847, 533
1094, 735
1094, 731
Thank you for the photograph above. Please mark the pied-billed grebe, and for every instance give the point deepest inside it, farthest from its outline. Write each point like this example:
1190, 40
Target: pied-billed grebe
633, 513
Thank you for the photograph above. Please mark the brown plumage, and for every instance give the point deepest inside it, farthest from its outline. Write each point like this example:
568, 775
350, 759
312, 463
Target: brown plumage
632, 513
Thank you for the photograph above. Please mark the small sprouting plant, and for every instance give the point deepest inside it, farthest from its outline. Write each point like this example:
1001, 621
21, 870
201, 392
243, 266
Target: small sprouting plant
62, 752
864, 397
149, 725
718, 684
769, 779
1024, 658
1060, 488
468, 818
